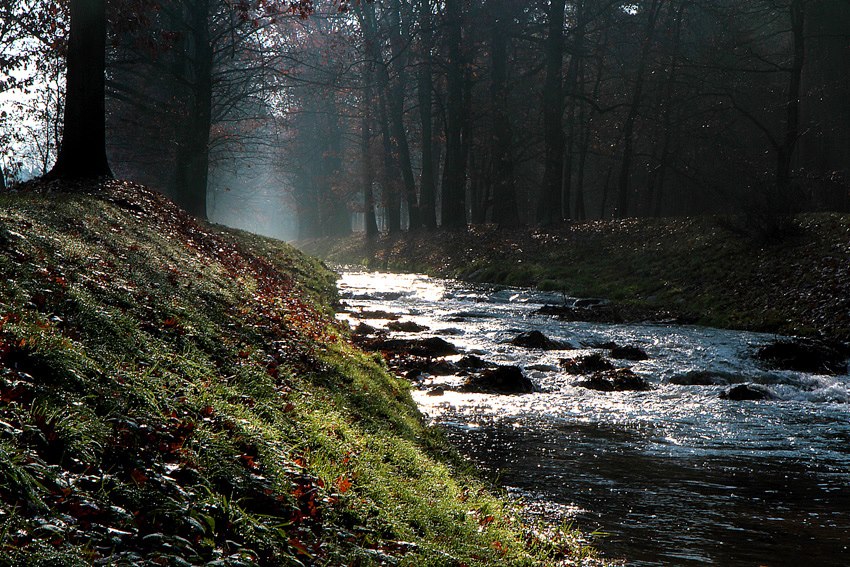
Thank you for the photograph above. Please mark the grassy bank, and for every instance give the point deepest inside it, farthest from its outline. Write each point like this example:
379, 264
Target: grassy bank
699, 269
177, 394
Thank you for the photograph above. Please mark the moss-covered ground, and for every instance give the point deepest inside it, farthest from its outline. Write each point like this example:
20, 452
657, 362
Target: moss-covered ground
705, 270
173, 393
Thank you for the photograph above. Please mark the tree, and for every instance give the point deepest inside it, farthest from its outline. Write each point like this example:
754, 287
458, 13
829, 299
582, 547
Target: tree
83, 150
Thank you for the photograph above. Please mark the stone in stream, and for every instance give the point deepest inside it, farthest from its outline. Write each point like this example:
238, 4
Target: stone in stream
803, 356
536, 339
431, 347
438, 391
365, 329
628, 352
702, 378
619, 380
378, 315
406, 327
586, 364
499, 380
747, 392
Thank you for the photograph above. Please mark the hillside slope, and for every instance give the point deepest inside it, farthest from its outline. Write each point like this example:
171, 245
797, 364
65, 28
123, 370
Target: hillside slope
173, 393
700, 270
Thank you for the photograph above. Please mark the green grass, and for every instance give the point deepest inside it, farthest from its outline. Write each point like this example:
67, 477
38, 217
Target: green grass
704, 269
174, 393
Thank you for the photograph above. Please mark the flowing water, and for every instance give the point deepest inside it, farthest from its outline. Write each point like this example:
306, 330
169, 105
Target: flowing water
673, 476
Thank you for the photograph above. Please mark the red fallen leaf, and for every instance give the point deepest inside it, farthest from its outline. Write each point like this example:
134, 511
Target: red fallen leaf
207, 411
299, 461
138, 477
288, 407
486, 520
244, 354
343, 484
249, 461
171, 323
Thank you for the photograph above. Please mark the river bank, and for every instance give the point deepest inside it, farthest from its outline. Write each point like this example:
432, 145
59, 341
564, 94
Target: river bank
701, 270
175, 393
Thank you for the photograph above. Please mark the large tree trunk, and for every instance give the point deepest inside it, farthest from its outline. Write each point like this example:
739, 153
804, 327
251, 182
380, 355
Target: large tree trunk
454, 182
397, 98
193, 157
549, 210
83, 150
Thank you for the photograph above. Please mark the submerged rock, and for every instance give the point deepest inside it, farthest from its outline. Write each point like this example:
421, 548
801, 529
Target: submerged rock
536, 339
746, 392
629, 352
586, 364
499, 380
619, 380
438, 391
700, 378
803, 356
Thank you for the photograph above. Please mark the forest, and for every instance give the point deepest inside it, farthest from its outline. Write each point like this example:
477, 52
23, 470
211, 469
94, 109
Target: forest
315, 119
571, 285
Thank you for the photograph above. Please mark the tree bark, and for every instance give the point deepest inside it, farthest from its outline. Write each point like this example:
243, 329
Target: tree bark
83, 150
454, 182
549, 210
504, 193
623, 188
427, 184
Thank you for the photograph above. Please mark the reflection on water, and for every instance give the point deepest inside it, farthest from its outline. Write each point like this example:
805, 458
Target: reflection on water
675, 476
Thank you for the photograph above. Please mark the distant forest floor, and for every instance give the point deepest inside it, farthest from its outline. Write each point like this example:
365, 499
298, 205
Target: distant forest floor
703, 270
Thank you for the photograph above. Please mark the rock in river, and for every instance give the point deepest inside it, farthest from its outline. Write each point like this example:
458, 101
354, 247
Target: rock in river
629, 352
619, 380
536, 339
406, 327
431, 347
499, 380
803, 356
743, 392
586, 364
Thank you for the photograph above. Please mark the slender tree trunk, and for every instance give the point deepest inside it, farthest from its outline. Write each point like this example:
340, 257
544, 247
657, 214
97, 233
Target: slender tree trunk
657, 190
83, 150
427, 184
370, 224
623, 189
454, 182
785, 155
504, 192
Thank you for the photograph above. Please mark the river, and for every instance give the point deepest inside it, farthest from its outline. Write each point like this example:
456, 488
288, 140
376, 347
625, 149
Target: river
672, 476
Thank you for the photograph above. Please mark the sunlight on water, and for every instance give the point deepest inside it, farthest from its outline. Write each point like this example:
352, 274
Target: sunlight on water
676, 475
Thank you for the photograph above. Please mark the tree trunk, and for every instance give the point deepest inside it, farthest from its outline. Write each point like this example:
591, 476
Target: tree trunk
657, 188
427, 185
454, 182
785, 155
194, 154
370, 224
83, 150
549, 210
504, 193
623, 189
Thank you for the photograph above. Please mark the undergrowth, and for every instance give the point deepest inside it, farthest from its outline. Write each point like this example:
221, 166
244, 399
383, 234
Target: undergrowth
173, 393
